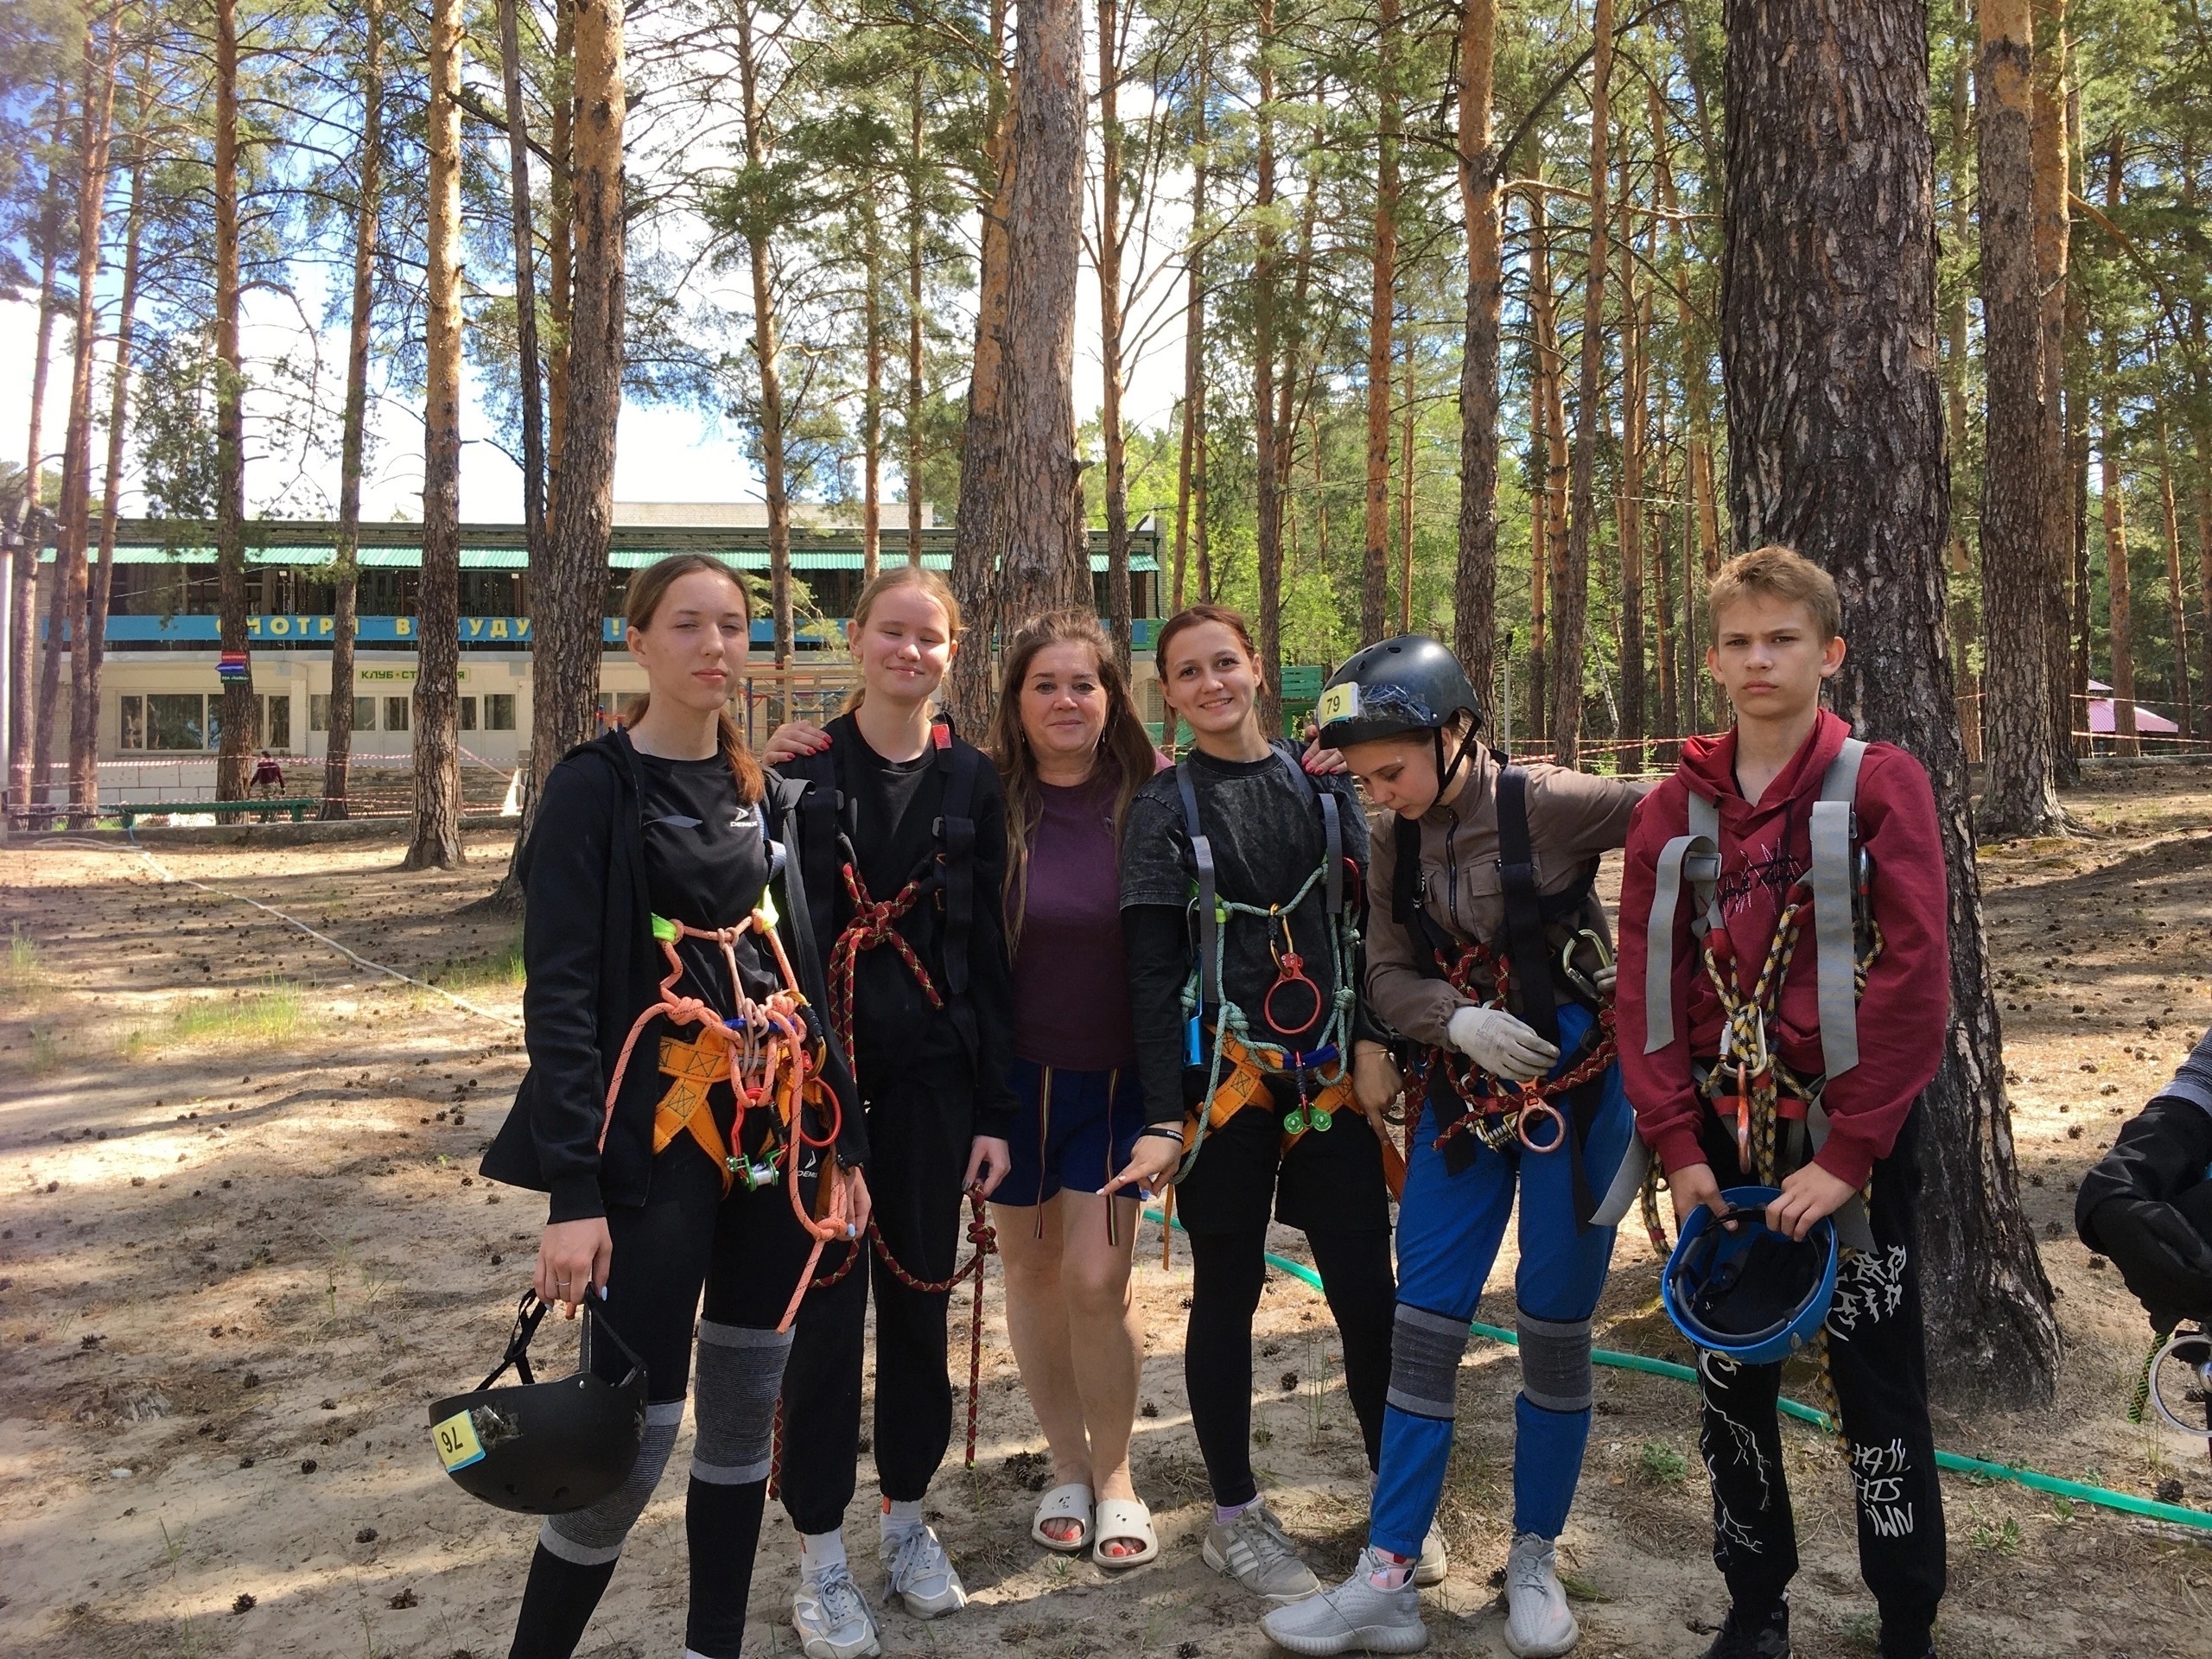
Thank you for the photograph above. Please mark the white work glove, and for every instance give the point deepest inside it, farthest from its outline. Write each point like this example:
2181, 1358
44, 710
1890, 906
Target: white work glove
1501, 1044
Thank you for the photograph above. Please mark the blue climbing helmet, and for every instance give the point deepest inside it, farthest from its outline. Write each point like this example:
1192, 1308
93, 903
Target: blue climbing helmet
1746, 1291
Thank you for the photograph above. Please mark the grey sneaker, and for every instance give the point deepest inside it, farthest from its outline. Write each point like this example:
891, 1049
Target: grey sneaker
1435, 1561
832, 1618
1256, 1551
1354, 1618
918, 1572
1538, 1624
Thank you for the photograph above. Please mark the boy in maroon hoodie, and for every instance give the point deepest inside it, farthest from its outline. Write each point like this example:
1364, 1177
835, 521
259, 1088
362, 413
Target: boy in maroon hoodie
1842, 1118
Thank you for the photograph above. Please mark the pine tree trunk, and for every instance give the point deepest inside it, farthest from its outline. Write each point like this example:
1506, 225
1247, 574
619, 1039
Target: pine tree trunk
1190, 466
567, 597
524, 221
1571, 611
2119, 625
2020, 798
346, 567
239, 708
915, 218
83, 741
1375, 589
437, 842
2077, 472
872, 395
1474, 583
1634, 369
976, 528
1697, 462
97, 127
560, 250
1044, 564
1966, 619
2053, 236
23, 598
1119, 605
1266, 439
2177, 595
1406, 491
1829, 339
767, 352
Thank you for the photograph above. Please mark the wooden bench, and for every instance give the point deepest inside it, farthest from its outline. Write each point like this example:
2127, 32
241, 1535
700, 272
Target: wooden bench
298, 806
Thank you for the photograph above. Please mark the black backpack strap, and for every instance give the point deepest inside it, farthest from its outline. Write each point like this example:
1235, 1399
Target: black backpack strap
811, 831
1332, 833
958, 764
1526, 943
1209, 890
1430, 942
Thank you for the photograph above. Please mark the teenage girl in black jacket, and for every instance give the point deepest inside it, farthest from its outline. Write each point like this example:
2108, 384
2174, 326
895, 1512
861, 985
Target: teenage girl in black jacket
660, 821
904, 827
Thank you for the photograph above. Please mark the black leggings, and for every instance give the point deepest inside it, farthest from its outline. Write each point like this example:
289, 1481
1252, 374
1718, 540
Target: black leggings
1228, 1270
746, 1253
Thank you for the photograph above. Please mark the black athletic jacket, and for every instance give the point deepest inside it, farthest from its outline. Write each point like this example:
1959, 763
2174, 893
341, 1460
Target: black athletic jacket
591, 967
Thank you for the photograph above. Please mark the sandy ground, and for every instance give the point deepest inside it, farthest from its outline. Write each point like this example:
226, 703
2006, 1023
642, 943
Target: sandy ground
243, 1246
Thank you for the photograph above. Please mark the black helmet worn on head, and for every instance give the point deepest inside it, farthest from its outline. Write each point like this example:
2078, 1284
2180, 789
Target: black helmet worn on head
544, 1448
1411, 683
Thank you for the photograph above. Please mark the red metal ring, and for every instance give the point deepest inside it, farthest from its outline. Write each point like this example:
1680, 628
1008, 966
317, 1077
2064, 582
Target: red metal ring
1544, 1108
1267, 1003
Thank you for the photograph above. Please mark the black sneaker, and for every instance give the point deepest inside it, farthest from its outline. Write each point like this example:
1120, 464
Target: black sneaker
1748, 1634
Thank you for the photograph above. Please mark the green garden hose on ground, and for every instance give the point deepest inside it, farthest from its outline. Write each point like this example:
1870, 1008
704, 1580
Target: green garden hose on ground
1981, 1469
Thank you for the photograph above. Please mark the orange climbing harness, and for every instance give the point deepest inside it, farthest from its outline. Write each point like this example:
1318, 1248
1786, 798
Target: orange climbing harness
762, 1051
1246, 1085
1495, 1118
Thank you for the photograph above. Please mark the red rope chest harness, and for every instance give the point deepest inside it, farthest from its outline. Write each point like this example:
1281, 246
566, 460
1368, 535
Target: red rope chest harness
1493, 1117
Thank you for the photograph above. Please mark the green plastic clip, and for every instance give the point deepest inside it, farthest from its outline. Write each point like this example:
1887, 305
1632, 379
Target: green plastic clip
1294, 1120
664, 929
767, 908
1323, 1121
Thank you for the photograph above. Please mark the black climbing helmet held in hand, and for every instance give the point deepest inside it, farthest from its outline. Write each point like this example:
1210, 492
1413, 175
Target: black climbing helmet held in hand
544, 1448
1412, 683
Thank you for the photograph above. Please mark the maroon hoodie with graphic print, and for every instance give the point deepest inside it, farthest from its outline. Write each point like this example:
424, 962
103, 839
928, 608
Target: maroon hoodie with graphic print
1765, 849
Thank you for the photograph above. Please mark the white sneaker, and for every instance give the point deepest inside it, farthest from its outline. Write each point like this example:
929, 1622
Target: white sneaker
1538, 1624
1354, 1618
918, 1572
1256, 1551
1435, 1561
831, 1617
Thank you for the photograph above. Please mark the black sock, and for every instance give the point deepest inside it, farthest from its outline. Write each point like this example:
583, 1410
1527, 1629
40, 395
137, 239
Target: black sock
1912, 1639
556, 1605
721, 1525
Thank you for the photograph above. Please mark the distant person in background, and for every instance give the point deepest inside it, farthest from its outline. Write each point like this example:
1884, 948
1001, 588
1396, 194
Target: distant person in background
268, 777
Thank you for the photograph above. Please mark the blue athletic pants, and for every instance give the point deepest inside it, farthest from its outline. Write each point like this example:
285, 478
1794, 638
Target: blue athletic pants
1449, 1230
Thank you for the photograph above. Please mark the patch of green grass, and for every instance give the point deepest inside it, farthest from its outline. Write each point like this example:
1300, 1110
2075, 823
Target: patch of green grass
266, 1018
1658, 1463
23, 977
1995, 1537
500, 970
46, 1053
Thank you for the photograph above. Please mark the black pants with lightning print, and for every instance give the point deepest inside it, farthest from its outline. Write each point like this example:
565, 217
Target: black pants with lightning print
1880, 1368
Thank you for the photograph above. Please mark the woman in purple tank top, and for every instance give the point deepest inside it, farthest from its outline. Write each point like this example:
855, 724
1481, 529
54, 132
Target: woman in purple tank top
1073, 752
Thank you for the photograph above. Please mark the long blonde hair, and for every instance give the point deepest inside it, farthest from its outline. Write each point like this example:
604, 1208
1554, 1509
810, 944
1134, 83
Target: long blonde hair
899, 575
649, 585
1125, 746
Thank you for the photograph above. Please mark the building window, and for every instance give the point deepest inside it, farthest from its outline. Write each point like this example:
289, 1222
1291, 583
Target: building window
395, 714
133, 735
500, 711
365, 713
467, 707
177, 720
318, 712
276, 722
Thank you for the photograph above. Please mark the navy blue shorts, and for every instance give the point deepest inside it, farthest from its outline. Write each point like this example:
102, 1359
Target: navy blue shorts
1075, 1130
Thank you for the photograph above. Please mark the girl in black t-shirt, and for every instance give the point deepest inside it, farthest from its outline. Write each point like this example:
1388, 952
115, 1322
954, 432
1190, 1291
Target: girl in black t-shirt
1298, 1077
903, 832
659, 1185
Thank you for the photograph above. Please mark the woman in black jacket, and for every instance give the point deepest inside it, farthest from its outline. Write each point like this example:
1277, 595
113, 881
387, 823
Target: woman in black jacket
650, 982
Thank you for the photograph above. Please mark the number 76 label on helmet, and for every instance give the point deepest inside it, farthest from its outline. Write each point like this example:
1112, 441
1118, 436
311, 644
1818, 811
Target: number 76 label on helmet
458, 1446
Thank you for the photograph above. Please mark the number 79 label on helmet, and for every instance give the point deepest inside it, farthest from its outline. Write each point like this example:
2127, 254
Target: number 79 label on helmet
458, 1446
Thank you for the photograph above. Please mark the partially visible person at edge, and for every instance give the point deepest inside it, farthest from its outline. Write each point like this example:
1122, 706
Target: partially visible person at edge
1440, 949
1774, 619
1261, 812
660, 816
930, 1061
2148, 1203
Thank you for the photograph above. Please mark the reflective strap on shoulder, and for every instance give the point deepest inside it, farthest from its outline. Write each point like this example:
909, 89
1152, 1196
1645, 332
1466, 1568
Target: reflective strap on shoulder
1332, 837
1833, 936
1209, 890
1694, 857
1853, 1231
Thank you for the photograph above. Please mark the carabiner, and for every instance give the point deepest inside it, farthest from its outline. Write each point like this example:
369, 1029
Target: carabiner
1290, 969
1575, 976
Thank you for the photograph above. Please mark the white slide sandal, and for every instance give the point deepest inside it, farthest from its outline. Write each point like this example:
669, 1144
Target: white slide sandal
1123, 1519
1068, 1503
